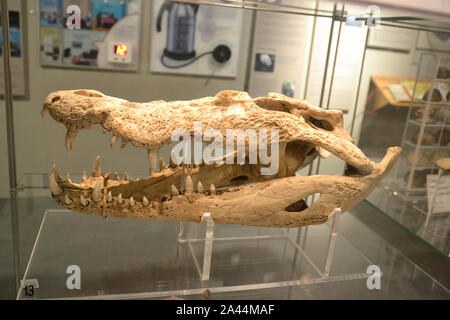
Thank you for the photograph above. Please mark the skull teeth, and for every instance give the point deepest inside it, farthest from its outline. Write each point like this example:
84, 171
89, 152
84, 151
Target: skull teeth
189, 185
212, 189
67, 200
96, 169
174, 191
162, 164
109, 197
54, 187
113, 141
152, 160
83, 201
200, 187
119, 199
132, 203
145, 202
97, 193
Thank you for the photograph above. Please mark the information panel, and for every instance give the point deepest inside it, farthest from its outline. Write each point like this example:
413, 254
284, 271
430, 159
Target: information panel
90, 33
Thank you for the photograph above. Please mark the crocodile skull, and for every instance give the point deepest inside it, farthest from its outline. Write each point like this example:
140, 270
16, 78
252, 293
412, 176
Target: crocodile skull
231, 193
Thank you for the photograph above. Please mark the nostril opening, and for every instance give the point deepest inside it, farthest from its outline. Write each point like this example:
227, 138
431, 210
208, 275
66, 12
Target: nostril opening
57, 98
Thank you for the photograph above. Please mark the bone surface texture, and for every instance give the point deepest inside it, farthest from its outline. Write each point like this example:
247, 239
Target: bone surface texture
233, 192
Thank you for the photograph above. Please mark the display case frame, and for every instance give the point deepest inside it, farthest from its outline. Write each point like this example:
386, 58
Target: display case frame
336, 16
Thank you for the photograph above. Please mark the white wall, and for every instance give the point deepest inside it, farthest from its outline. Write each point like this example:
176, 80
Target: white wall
40, 143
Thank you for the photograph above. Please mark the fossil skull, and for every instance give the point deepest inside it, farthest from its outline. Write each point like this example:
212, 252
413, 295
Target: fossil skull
233, 193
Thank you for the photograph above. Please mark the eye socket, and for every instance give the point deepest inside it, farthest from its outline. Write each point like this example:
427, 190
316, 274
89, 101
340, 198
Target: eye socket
322, 124
239, 180
57, 98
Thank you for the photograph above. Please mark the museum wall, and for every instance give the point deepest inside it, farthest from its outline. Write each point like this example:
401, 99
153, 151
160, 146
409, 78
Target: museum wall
40, 143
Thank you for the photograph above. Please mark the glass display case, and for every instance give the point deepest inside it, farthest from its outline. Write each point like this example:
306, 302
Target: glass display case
383, 68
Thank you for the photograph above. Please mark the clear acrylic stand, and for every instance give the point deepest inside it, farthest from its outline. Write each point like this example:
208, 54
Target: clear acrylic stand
168, 262
205, 272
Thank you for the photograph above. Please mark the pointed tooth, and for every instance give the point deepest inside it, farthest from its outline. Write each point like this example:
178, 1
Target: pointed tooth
96, 169
145, 201
132, 203
113, 141
120, 199
84, 177
212, 189
70, 138
83, 201
68, 177
97, 193
54, 187
124, 144
162, 164
126, 177
109, 197
189, 185
67, 200
55, 172
200, 187
116, 176
44, 111
174, 191
152, 156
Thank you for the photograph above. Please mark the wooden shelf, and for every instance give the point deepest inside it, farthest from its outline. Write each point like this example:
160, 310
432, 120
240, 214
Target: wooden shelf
383, 96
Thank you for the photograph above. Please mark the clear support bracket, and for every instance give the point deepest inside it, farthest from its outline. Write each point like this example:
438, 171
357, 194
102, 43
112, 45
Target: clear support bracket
206, 271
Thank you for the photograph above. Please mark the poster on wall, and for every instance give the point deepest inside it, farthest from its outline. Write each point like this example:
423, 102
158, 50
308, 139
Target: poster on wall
280, 52
188, 38
92, 41
17, 54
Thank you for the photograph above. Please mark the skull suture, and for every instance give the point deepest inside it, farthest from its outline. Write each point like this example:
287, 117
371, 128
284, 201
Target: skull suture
232, 193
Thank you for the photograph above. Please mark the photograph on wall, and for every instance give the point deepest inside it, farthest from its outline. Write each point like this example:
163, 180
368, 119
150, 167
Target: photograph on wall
188, 38
50, 13
18, 82
79, 48
14, 35
288, 88
85, 12
50, 45
104, 26
265, 62
107, 13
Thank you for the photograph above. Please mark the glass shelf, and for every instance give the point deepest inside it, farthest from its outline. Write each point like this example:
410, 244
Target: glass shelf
433, 125
121, 258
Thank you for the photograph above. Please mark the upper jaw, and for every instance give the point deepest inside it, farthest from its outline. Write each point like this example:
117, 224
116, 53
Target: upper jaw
151, 125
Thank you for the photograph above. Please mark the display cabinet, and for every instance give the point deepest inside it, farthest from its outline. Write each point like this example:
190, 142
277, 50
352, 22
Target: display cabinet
323, 52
